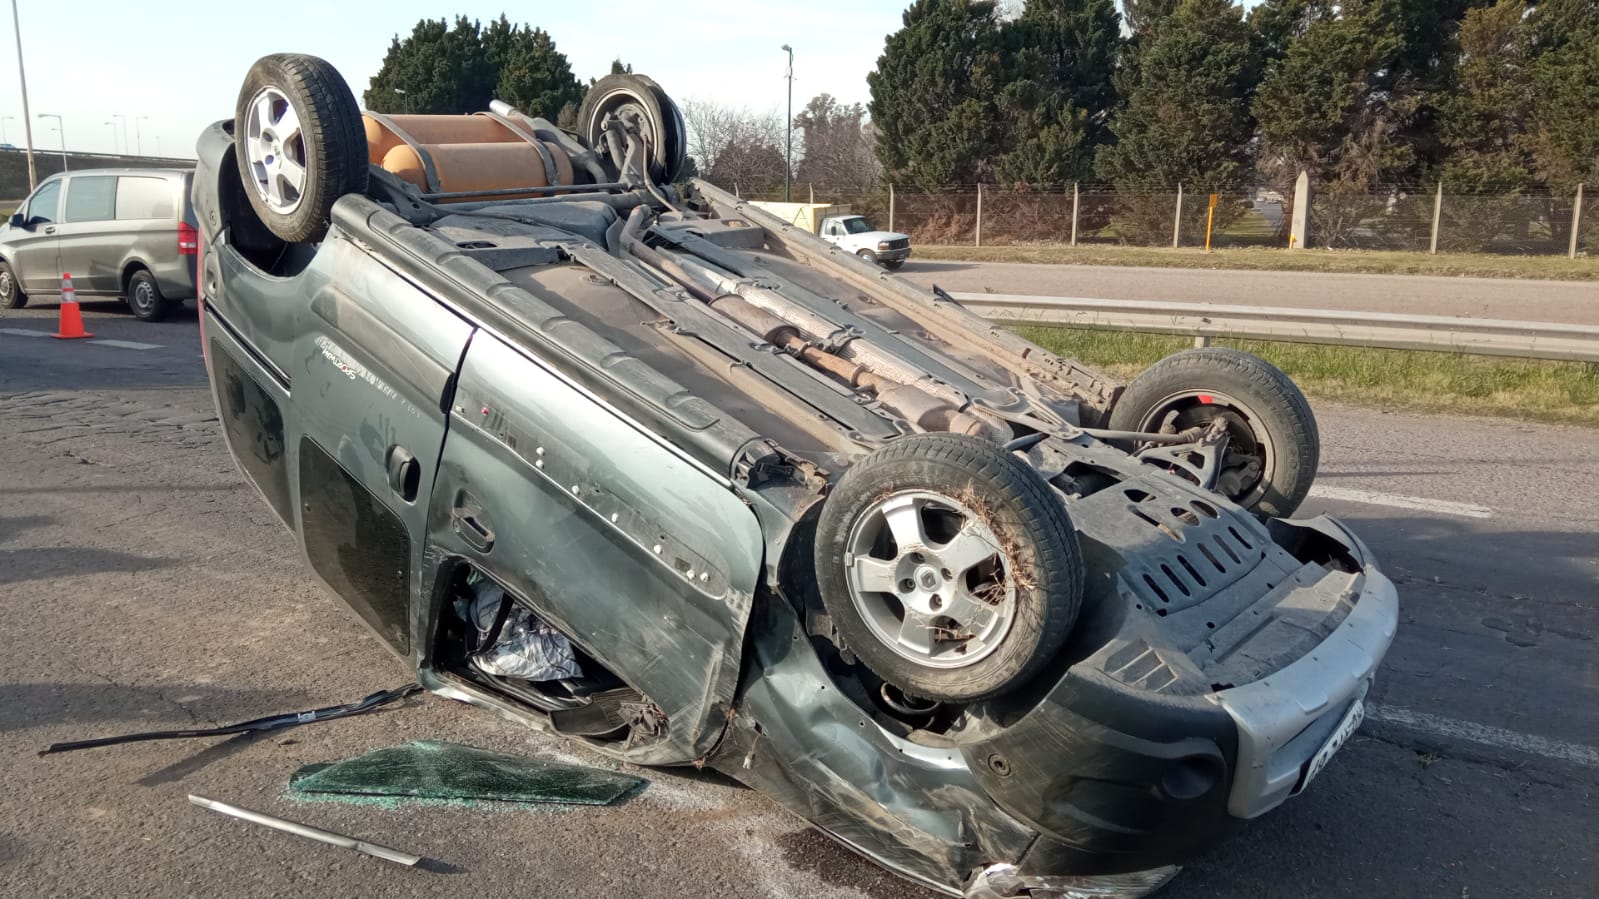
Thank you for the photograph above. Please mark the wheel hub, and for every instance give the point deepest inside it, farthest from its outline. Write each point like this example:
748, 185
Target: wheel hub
929, 578
276, 151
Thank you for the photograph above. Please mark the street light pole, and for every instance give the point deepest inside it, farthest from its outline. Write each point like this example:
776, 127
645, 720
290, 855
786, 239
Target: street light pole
788, 170
113, 137
61, 128
3, 121
138, 140
22, 76
125, 144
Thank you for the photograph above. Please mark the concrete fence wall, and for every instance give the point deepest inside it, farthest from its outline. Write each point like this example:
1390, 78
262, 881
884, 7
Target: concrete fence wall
14, 167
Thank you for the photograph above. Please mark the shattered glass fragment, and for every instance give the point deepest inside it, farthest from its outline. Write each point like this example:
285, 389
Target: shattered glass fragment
450, 771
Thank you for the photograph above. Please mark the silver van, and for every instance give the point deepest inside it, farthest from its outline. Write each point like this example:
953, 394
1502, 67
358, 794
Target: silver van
127, 233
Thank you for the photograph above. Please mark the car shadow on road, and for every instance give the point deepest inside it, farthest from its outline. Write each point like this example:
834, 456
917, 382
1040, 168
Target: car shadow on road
45, 563
106, 708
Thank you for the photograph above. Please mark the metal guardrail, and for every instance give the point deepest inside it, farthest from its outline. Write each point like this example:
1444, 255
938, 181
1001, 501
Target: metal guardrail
1484, 336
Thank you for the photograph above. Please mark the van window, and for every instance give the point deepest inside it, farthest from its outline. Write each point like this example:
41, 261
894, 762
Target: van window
140, 197
90, 198
46, 203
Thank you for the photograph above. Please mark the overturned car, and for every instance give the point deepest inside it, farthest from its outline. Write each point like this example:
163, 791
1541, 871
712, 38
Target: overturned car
644, 466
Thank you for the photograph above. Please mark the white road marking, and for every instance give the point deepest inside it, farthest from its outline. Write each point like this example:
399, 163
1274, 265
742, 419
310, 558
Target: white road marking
24, 332
1397, 501
127, 344
1483, 735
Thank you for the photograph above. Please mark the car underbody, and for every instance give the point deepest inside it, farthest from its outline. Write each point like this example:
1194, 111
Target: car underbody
628, 417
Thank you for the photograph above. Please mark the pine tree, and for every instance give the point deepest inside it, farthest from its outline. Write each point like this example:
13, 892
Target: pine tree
531, 74
1143, 15
445, 69
437, 69
1187, 118
1484, 116
933, 94
1562, 133
1056, 106
1337, 106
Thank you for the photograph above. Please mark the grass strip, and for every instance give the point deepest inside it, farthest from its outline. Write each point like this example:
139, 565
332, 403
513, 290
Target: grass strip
1379, 262
1528, 389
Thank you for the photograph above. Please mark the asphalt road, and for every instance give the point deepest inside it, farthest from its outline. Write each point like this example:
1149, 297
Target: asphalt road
145, 585
1570, 302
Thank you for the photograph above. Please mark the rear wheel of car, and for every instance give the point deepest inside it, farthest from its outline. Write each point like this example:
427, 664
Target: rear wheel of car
11, 295
1273, 446
641, 102
868, 257
145, 299
300, 143
948, 566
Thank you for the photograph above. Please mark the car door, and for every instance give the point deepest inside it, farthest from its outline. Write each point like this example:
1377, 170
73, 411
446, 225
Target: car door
372, 370
34, 243
92, 243
645, 559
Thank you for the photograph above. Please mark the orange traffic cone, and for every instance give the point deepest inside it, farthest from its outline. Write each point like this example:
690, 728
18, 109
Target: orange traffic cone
71, 318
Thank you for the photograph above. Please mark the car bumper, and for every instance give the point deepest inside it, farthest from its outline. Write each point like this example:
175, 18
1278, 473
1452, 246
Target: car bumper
899, 255
1122, 781
1286, 719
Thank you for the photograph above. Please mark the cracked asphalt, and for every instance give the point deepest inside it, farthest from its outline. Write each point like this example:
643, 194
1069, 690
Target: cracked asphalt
145, 585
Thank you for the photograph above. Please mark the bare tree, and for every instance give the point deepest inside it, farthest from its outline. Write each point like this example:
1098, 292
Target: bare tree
838, 145
735, 146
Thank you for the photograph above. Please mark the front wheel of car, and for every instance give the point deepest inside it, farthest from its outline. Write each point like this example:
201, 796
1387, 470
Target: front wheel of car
300, 143
948, 566
893, 265
868, 257
11, 295
1273, 446
145, 299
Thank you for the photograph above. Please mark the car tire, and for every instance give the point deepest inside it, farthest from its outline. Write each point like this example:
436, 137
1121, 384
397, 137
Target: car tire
295, 168
984, 590
1270, 422
893, 265
145, 299
659, 119
868, 257
11, 295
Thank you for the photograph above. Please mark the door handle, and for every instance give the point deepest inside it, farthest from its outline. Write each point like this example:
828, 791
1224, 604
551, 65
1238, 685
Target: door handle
50, 229
473, 531
405, 473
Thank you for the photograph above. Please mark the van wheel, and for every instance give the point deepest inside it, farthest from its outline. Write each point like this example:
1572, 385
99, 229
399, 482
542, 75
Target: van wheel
11, 295
300, 143
145, 299
949, 567
868, 257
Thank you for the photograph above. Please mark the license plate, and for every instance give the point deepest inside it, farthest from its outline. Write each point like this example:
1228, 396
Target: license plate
1340, 735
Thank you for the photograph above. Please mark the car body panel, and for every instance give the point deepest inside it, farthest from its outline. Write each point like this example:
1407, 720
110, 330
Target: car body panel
645, 477
648, 557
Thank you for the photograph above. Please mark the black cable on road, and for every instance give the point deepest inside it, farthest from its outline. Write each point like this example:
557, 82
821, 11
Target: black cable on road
257, 725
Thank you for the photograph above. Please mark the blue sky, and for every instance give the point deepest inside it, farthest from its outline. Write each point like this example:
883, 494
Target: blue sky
180, 64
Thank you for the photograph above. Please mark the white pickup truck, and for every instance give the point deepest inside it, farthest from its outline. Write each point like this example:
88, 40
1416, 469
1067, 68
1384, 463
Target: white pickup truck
835, 224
